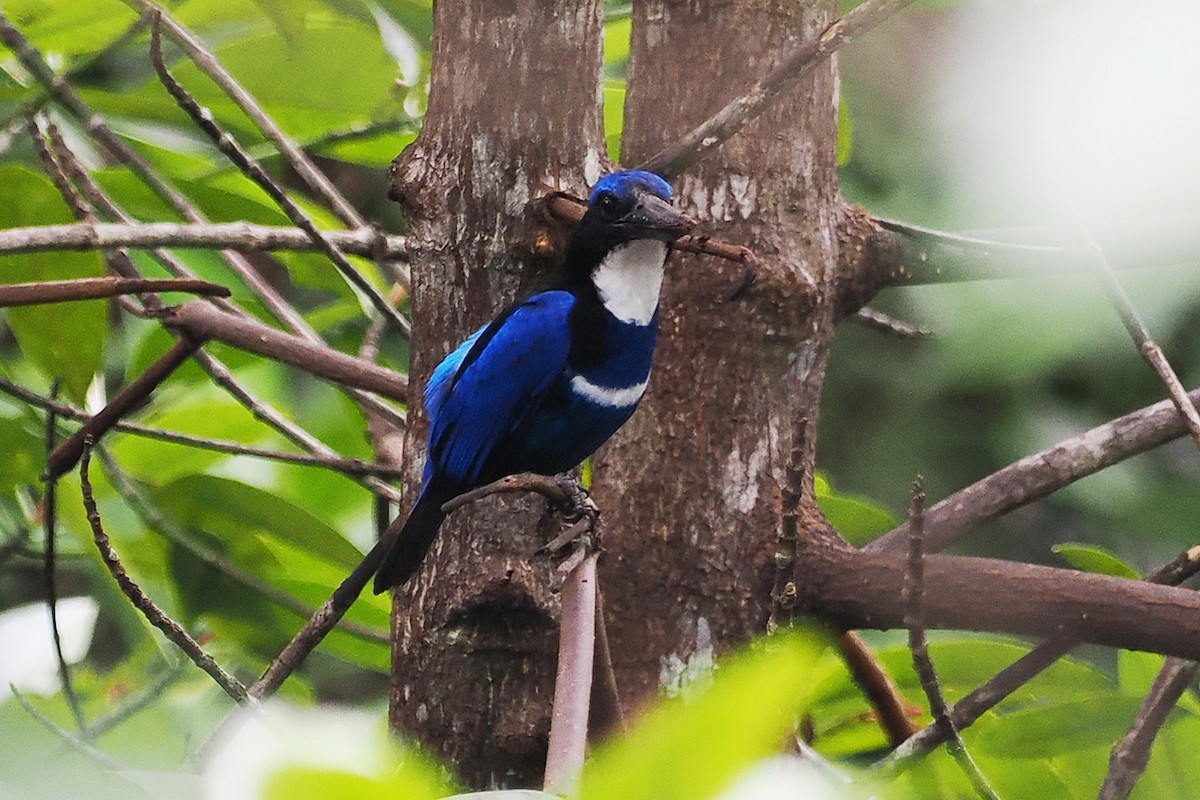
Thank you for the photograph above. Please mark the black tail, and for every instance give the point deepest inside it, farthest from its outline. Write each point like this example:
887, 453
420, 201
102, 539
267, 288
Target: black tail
408, 547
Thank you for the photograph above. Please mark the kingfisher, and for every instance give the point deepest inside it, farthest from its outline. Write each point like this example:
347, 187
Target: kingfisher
553, 376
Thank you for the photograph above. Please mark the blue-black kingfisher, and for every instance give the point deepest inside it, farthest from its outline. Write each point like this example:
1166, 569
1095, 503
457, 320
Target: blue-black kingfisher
551, 378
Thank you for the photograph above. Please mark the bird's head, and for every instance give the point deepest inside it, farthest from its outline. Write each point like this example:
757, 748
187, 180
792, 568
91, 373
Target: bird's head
634, 204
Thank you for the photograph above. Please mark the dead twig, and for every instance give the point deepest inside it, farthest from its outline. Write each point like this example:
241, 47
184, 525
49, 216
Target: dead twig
155, 615
211, 235
50, 573
918, 644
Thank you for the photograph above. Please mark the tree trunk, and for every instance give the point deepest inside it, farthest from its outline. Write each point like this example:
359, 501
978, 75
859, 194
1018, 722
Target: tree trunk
514, 108
690, 489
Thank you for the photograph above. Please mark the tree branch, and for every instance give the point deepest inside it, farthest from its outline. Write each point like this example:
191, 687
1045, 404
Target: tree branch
1132, 754
202, 321
794, 65
155, 615
860, 589
29, 294
216, 235
130, 397
1043, 473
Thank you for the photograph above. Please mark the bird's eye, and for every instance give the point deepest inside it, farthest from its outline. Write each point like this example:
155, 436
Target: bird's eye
607, 203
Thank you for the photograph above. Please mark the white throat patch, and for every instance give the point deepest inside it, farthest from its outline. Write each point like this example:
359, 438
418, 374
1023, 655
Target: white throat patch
628, 280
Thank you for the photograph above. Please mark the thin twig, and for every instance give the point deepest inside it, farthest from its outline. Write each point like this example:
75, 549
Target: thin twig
606, 715
142, 700
794, 65
1130, 756
251, 168
914, 620
131, 396
295, 157
889, 325
75, 742
546, 486
210, 235
969, 709
155, 615
28, 294
1140, 333
1043, 473
347, 466
566, 208
50, 572
896, 715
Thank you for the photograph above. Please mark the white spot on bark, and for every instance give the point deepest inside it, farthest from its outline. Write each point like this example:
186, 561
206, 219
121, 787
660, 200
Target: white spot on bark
739, 486
680, 672
591, 166
745, 195
422, 713
719, 195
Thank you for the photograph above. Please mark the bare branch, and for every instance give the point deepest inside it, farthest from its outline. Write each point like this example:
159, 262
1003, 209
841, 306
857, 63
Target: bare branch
861, 589
75, 742
918, 643
28, 294
130, 397
217, 235
155, 615
251, 168
794, 65
566, 208
1043, 473
202, 321
1132, 754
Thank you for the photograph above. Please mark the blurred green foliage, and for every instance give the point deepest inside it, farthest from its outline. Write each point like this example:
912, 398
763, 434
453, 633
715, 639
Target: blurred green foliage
237, 549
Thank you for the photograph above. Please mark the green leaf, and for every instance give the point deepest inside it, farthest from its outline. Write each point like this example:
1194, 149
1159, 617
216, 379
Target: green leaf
1091, 558
692, 749
858, 518
233, 511
1040, 733
845, 132
63, 339
24, 453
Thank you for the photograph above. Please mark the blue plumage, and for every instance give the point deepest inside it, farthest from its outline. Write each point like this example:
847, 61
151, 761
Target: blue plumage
554, 376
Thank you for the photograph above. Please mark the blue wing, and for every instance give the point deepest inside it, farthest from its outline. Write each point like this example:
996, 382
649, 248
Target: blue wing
494, 383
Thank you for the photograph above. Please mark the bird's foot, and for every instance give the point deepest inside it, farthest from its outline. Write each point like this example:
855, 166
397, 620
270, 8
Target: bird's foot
579, 503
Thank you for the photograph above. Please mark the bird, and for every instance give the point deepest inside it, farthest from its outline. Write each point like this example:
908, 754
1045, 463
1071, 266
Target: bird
553, 376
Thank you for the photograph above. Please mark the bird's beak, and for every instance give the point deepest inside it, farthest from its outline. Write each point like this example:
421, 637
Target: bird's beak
658, 219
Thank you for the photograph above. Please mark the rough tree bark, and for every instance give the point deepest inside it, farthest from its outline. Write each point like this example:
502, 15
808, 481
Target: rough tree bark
690, 489
513, 109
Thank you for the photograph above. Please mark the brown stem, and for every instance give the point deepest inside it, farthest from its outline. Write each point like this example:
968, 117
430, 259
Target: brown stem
66, 455
155, 615
28, 294
1041, 474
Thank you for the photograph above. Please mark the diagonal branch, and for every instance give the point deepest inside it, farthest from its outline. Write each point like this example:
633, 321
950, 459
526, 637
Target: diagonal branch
794, 65
251, 168
1042, 474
